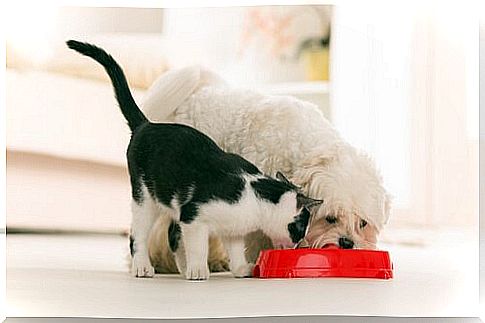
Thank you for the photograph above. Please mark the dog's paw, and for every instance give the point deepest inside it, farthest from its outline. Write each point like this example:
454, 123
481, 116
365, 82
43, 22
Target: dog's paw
142, 269
219, 265
243, 271
197, 273
181, 269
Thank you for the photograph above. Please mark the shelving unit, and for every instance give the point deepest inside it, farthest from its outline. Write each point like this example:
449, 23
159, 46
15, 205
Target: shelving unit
317, 92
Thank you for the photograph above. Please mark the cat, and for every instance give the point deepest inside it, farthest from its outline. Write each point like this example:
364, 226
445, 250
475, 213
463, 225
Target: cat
206, 191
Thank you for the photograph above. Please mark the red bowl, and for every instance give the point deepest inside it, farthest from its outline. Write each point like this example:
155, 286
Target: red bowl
312, 263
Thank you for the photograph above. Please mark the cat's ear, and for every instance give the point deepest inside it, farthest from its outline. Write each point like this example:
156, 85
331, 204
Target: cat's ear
308, 202
281, 177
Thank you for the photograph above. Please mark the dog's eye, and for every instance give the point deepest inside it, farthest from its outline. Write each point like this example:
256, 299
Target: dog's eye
363, 223
331, 219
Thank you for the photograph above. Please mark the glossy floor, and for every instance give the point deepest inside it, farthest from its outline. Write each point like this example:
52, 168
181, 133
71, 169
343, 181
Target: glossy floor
86, 275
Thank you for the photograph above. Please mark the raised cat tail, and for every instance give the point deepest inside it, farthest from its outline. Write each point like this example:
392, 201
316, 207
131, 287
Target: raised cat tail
128, 106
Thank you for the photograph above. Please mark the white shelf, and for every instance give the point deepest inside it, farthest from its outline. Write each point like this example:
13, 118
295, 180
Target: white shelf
317, 92
303, 88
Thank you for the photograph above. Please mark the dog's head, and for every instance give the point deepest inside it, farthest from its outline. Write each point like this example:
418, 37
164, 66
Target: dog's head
356, 205
346, 231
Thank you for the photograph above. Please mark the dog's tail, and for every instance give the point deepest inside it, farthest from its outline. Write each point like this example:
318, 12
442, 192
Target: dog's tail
127, 104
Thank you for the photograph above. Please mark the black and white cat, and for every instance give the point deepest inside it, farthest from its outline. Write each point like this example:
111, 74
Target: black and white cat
206, 191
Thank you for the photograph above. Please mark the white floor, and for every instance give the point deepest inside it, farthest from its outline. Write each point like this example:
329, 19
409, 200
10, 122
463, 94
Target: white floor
86, 275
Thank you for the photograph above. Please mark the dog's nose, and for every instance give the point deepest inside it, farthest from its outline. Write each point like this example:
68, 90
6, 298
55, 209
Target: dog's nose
345, 243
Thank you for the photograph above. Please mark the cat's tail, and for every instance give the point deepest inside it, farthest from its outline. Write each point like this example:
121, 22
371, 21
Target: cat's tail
127, 104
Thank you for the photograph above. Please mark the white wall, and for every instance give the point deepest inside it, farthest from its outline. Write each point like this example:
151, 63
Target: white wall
404, 89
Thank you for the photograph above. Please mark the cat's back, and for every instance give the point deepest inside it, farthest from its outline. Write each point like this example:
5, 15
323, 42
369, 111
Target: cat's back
173, 135
181, 145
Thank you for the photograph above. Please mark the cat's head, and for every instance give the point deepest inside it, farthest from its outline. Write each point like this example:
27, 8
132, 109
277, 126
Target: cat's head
293, 207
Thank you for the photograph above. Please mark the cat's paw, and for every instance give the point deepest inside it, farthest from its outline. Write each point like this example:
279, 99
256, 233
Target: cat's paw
142, 269
243, 271
197, 273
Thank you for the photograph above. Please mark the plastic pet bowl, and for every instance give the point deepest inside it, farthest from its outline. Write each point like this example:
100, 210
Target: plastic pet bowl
328, 262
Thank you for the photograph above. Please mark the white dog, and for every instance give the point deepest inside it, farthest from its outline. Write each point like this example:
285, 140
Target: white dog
276, 133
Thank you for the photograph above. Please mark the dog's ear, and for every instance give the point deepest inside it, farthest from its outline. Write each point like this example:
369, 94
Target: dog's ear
281, 177
308, 202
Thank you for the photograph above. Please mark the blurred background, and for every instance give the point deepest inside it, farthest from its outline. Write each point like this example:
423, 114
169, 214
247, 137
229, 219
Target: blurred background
400, 85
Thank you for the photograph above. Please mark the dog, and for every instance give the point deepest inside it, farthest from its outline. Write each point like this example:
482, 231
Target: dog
275, 133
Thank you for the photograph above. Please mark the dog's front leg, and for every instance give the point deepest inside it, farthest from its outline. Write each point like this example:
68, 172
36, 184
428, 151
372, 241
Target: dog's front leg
237, 260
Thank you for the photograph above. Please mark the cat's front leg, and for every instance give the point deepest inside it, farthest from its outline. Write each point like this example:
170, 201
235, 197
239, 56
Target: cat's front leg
195, 239
237, 260
143, 217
